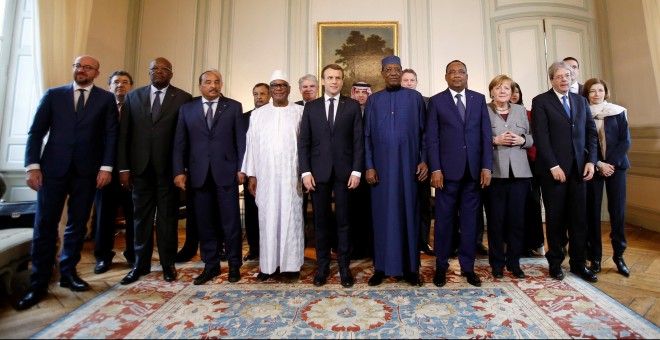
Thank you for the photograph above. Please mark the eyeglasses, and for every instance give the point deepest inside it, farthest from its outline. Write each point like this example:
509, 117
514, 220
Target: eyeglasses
87, 68
279, 86
163, 69
562, 76
461, 72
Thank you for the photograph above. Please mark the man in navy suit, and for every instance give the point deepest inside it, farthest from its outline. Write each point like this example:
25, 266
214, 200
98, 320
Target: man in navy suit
576, 87
566, 151
459, 140
144, 160
108, 200
210, 143
81, 120
331, 156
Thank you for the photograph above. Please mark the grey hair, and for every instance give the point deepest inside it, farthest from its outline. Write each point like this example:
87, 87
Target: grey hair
557, 65
308, 77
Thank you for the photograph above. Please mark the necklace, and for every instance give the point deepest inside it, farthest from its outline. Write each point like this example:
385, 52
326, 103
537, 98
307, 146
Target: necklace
502, 110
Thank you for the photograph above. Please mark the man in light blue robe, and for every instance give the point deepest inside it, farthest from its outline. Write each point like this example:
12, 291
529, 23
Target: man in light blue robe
395, 161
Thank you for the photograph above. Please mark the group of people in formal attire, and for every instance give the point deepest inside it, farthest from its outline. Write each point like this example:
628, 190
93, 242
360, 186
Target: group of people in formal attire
367, 161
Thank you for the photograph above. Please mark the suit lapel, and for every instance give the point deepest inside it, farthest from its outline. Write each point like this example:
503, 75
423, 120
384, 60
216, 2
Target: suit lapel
341, 103
469, 97
221, 107
573, 104
146, 102
559, 106
453, 107
168, 98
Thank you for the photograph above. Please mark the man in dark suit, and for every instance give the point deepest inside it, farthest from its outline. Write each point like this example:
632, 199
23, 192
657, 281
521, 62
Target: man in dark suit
460, 153
144, 159
308, 86
566, 139
81, 121
108, 200
331, 154
576, 87
210, 143
261, 95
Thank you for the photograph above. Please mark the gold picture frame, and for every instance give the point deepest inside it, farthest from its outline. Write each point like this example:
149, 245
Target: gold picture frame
358, 47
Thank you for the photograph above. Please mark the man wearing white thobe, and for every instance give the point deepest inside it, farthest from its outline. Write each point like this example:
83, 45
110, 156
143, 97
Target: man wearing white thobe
271, 160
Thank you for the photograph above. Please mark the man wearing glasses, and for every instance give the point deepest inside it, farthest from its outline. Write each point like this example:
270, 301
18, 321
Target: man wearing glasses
81, 121
271, 163
144, 160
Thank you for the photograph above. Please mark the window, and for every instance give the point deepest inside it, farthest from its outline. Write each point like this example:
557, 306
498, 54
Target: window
18, 90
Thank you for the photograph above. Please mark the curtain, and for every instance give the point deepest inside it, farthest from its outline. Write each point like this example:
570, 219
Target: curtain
652, 20
61, 29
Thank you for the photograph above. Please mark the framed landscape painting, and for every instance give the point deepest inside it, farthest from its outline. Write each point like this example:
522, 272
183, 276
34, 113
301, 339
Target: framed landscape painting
358, 47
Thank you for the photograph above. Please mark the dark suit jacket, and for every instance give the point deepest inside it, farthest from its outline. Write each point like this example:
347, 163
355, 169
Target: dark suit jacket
140, 140
219, 150
86, 143
559, 140
617, 138
321, 151
453, 143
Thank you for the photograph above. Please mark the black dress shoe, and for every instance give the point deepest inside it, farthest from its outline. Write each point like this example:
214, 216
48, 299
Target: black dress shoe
169, 273
32, 298
482, 250
234, 274
621, 266
426, 249
440, 278
250, 256
413, 279
377, 278
102, 266
556, 272
498, 273
320, 279
472, 278
131, 277
347, 279
595, 266
293, 276
261, 277
585, 273
517, 273
74, 283
207, 275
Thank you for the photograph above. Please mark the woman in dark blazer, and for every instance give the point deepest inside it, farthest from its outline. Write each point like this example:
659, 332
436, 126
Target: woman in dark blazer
507, 193
613, 144
534, 238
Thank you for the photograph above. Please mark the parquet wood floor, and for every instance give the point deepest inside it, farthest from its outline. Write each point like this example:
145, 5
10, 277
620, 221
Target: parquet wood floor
640, 292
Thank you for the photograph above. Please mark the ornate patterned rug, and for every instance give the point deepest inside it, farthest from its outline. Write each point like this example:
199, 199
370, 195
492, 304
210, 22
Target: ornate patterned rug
535, 307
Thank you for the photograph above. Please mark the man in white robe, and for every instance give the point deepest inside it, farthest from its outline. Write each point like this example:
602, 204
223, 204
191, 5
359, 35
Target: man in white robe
271, 160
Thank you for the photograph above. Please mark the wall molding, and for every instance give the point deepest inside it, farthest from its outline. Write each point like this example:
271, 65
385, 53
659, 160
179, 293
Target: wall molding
640, 216
644, 163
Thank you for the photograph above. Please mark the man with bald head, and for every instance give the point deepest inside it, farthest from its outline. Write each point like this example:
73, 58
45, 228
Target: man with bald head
81, 121
144, 159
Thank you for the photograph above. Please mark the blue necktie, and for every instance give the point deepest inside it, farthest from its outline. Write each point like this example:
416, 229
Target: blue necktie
460, 106
331, 114
155, 107
209, 115
564, 100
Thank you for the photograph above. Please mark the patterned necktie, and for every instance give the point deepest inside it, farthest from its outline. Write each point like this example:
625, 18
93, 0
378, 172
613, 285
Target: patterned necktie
209, 115
81, 101
155, 108
331, 114
460, 106
564, 101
